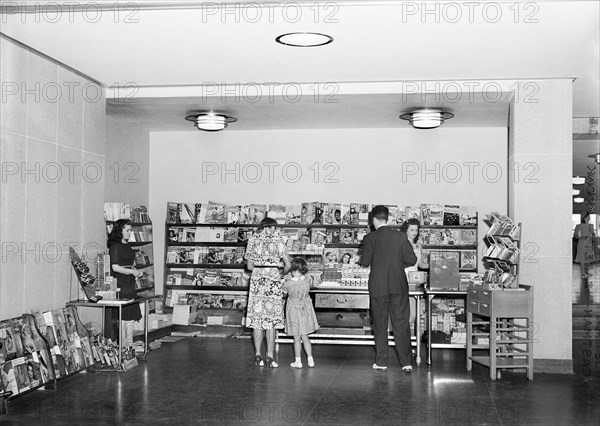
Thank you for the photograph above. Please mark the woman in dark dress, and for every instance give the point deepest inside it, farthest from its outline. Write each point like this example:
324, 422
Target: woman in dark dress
121, 267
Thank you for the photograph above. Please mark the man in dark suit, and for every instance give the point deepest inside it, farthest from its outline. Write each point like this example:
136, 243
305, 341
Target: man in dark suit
388, 252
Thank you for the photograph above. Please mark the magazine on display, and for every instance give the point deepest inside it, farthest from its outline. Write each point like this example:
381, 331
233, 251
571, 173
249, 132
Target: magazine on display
451, 215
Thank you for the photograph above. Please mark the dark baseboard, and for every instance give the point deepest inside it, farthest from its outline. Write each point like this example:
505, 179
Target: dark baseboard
555, 366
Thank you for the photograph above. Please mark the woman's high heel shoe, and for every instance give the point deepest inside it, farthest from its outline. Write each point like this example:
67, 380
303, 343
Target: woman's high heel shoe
258, 361
270, 363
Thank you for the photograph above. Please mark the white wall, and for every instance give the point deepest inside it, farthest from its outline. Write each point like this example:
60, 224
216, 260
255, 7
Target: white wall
127, 156
368, 166
53, 196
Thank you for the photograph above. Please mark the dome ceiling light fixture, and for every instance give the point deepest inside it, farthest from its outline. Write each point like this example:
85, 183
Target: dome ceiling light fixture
425, 118
210, 121
578, 200
304, 39
578, 180
596, 157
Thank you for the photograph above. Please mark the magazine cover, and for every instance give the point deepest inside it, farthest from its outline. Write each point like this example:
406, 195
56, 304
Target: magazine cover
331, 258
21, 375
293, 214
425, 215
347, 236
216, 235
468, 259
436, 215
30, 336
468, 216
317, 212
327, 213
355, 209
413, 212
306, 213
336, 213
333, 235
363, 214
22, 350
424, 236
187, 213
244, 234
345, 213
451, 215
215, 213
173, 212
360, 234
349, 256
9, 378
256, 213
199, 212
393, 214
437, 237
8, 348
234, 214
33, 371
443, 270
452, 236
468, 236
230, 235
318, 236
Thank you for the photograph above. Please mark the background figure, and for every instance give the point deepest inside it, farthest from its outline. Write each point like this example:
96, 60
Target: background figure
122, 258
411, 228
300, 317
388, 252
584, 232
265, 250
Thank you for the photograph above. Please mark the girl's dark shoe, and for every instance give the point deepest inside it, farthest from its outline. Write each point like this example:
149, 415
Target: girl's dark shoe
258, 361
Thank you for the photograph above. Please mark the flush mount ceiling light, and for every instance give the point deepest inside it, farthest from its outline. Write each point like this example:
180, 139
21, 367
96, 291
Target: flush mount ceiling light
578, 200
578, 180
426, 118
576, 192
304, 39
210, 121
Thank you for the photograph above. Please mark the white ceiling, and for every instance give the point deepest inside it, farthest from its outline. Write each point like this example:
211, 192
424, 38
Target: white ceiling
174, 44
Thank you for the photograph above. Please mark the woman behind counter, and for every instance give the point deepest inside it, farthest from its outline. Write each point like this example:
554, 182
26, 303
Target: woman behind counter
264, 253
121, 267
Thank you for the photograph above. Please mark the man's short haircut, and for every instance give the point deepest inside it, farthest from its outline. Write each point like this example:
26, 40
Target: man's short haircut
380, 212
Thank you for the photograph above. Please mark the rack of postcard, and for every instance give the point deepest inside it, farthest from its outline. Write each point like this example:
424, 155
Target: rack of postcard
502, 255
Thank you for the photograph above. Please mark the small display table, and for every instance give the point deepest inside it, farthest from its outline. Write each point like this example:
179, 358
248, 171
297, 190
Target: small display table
119, 304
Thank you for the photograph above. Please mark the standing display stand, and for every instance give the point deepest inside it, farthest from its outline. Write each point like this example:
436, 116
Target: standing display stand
503, 309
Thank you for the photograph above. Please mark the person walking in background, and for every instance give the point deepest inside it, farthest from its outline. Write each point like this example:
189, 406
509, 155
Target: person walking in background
300, 317
388, 252
264, 253
584, 232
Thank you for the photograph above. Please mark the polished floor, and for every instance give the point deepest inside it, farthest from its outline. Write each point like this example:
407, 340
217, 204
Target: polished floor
211, 380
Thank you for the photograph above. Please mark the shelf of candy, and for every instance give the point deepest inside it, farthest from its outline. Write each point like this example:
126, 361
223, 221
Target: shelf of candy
448, 317
105, 285
201, 277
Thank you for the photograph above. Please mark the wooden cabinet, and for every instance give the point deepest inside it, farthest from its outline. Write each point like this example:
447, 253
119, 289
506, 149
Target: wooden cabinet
508, 316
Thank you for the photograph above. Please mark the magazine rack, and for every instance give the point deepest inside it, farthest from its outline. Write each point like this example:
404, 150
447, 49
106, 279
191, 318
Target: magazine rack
25, 363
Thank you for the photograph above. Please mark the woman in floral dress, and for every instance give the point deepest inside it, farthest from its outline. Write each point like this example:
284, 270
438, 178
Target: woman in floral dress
264, 253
